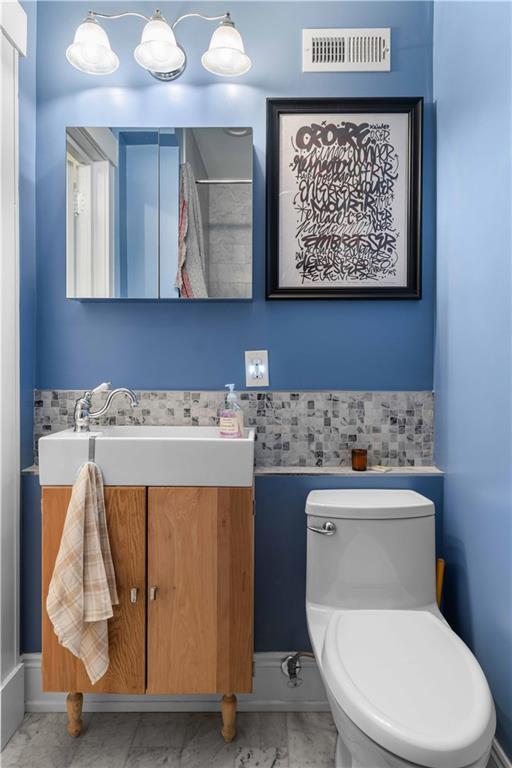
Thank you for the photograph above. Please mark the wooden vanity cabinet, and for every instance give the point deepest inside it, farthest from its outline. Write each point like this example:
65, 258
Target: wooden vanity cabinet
126, 521
188, 626
200, 581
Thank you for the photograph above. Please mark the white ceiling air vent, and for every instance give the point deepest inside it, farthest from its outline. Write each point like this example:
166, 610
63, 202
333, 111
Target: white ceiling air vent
346, 50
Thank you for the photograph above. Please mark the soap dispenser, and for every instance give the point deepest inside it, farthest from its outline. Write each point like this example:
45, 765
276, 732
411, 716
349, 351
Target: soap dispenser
231, 416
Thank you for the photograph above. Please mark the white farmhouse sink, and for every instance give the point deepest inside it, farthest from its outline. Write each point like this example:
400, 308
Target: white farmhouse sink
150, 456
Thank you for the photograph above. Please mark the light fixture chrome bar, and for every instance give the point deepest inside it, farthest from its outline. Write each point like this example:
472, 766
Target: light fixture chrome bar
97, 14
225, 16
223, 181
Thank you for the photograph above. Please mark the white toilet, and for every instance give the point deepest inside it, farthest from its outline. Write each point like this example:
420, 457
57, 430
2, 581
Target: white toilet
404, 690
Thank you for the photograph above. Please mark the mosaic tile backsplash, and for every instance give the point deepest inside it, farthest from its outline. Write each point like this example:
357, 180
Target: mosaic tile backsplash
293, 429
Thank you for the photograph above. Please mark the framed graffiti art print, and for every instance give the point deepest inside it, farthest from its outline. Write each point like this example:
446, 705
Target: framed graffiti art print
344, 198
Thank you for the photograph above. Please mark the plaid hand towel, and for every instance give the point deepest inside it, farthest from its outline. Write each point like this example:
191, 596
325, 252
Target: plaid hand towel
83, 586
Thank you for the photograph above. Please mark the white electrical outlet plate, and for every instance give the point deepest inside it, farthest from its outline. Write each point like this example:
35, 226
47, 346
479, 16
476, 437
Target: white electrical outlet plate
256, 368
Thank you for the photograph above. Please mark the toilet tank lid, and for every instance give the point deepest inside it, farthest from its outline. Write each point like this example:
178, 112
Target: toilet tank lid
368, 504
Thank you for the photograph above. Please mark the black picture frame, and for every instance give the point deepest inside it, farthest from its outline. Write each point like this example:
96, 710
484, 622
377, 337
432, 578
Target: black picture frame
278, 107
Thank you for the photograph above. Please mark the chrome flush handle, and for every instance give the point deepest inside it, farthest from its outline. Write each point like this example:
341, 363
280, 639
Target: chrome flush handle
133, 594
152, 593
327, 529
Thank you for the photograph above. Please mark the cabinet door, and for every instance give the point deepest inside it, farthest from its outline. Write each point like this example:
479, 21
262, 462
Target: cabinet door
126, 522
200, 559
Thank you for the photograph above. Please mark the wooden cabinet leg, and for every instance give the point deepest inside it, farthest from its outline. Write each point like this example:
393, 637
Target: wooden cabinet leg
74, 703
228, 709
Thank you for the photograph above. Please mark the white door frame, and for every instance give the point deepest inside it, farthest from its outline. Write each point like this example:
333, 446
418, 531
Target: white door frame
13, 42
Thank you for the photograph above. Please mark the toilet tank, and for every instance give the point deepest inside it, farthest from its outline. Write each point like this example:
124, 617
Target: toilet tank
376, 549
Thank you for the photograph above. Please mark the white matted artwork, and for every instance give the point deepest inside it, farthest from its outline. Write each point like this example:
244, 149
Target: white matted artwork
345, 219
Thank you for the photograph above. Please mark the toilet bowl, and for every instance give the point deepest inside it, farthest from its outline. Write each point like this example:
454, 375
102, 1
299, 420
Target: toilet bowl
404, 690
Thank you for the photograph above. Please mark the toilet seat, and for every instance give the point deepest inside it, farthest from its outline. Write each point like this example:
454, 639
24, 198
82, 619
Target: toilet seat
410, 684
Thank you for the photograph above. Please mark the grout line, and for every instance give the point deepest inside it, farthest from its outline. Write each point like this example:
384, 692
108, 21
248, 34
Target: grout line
132, 740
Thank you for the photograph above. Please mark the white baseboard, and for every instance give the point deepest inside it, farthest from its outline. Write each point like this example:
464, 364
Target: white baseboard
499, 758
270, 692
11, 704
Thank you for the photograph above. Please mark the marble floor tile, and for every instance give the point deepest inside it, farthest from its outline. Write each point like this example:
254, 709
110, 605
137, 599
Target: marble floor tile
11, 754
273, 729
162, 729
270, 757
46, 757
252, 746
101, 755
174, 740
311, 740
47, 730
204, 745
110, 728
248, 728
153, 757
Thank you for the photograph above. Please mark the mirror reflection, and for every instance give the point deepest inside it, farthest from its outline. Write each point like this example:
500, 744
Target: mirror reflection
159, 213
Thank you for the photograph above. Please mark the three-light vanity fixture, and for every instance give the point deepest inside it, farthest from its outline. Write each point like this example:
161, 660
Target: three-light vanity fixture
158, 51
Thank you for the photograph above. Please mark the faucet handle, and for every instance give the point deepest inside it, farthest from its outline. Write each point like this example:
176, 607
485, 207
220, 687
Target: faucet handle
101, 387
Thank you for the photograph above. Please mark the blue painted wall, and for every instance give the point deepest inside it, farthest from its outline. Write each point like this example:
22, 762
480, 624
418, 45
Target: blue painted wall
280, 554
27, 191
473, 353
318, 345
138, 204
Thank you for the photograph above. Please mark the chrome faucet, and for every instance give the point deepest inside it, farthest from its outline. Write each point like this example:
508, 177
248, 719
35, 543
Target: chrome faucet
82, 412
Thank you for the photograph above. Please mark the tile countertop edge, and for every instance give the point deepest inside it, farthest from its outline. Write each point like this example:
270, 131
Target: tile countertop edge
318, 471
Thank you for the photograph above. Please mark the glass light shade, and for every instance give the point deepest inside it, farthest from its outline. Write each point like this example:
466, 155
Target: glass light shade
158, 50
90, 51
226, 55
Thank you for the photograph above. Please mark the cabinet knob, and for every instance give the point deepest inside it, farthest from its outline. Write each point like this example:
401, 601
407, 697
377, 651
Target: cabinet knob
152, 593
133, 594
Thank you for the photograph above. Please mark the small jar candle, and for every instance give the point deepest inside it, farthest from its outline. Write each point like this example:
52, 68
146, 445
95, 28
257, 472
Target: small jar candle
359, 459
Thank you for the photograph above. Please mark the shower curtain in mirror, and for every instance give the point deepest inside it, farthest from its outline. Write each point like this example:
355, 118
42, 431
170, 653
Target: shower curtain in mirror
191, 277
